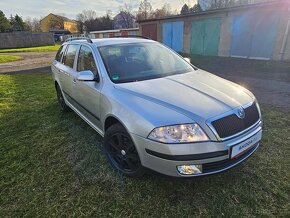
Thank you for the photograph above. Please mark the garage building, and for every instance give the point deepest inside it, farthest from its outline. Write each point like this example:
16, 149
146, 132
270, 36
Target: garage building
256, 31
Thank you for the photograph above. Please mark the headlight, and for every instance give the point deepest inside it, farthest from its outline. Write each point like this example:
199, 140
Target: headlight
178, 134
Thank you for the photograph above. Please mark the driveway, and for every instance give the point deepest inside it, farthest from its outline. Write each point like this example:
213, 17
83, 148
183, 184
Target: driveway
31, 62
269, 81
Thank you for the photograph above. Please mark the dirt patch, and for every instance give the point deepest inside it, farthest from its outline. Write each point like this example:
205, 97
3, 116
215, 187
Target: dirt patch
30, 62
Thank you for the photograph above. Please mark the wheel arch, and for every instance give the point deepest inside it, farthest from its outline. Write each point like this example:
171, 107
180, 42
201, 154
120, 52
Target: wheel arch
111, 120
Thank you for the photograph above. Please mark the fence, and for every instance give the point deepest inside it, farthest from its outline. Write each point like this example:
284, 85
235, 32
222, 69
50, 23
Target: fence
25, 39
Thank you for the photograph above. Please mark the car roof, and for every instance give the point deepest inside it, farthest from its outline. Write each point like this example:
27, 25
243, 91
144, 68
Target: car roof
110, 41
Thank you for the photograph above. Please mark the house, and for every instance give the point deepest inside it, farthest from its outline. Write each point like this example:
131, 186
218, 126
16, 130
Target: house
124, 20
57, 22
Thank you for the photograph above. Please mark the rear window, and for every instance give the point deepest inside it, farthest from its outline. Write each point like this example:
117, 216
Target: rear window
69, 57
60, 53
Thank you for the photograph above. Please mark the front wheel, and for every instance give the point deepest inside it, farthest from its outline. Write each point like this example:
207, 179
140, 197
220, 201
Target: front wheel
121, 151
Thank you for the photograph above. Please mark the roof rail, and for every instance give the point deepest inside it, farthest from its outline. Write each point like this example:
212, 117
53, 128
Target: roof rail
131, 36
79, 38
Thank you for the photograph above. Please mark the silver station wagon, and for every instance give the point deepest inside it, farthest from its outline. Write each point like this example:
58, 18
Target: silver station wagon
154, 109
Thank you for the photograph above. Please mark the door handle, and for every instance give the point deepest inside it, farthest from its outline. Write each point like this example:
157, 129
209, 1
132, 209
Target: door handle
74, 81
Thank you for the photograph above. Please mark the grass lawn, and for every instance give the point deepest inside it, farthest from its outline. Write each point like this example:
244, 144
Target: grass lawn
9, 58
52, 164
32, 49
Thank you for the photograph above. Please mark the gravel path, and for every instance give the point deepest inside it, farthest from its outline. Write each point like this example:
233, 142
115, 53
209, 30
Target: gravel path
32, 62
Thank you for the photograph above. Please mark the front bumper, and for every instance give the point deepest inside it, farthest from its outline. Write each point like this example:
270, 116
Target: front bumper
214, 156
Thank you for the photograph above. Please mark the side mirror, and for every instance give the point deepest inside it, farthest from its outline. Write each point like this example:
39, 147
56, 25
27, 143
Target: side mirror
187, 59
86, 75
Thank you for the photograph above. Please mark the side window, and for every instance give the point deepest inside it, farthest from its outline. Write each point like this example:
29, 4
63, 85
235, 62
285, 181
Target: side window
69, 57
60, 53
86, 60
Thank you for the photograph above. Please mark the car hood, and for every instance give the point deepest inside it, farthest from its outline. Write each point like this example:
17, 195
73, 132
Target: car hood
196, 93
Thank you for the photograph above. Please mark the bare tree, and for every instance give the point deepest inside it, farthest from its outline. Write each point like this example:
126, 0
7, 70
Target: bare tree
184, 9
227, 3
86, 20
33, 24
145, 10
162, 12
125, 18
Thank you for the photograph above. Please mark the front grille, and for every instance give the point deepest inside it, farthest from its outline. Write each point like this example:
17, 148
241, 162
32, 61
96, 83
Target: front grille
219, 165
232, 124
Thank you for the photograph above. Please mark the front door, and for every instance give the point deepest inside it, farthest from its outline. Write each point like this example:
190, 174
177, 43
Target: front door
87, 93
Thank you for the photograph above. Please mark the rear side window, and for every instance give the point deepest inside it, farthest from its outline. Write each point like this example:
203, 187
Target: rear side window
86, 60
60, 53
69, 57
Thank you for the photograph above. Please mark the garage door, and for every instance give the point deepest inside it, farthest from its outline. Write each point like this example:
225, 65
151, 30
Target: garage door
150, 31
253, 35
172, 33
205, 36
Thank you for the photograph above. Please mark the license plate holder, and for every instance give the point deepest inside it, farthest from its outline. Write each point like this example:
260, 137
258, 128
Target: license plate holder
242, 147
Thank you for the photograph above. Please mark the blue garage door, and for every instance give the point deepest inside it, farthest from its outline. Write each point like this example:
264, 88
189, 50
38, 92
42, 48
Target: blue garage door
253, 35
173, 35
241, 36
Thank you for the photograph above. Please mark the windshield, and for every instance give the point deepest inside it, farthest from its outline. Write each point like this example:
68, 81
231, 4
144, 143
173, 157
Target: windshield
141, 61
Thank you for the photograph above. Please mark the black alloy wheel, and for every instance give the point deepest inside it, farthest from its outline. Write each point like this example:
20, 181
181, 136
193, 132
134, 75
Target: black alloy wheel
121, 151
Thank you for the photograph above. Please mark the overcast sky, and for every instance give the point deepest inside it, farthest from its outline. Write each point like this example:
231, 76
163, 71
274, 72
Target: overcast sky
69, 8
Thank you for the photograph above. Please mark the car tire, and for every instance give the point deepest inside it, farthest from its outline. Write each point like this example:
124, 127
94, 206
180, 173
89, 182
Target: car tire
60, 99
121, 151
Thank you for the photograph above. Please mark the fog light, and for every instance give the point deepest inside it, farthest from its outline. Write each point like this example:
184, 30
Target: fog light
189, 169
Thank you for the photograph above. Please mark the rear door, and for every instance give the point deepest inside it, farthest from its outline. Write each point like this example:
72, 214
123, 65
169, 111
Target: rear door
56, 65
87, 93
67, 69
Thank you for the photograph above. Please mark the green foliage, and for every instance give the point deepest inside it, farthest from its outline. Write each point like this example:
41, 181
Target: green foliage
4, 23
17, 24
9, 58
186, 10
52, 164
32, 49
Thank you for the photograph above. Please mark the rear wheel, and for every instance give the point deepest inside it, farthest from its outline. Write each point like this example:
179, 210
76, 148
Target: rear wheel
60, 99
121, 151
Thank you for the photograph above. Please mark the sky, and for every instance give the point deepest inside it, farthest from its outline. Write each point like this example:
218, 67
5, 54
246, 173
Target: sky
70, 8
